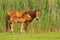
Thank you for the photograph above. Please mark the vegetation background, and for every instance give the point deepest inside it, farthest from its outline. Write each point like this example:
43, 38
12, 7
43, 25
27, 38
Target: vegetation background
49, 19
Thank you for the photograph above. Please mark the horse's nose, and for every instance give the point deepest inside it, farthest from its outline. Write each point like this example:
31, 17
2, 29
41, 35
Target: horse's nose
36, 18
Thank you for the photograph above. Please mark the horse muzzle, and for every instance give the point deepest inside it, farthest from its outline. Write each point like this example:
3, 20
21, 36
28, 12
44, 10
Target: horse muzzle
36, 18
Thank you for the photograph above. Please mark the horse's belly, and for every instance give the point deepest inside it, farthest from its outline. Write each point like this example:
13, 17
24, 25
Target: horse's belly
21, 19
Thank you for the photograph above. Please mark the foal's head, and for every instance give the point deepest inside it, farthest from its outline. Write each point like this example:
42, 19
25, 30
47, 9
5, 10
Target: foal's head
37, 14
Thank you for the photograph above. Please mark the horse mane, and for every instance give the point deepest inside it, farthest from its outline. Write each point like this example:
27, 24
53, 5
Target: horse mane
31, 13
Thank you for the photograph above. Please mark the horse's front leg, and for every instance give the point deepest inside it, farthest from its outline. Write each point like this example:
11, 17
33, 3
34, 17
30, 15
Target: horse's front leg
22, 27
25, 27
11, 26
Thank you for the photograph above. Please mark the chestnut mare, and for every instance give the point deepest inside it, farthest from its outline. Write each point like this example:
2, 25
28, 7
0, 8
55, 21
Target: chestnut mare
21, 17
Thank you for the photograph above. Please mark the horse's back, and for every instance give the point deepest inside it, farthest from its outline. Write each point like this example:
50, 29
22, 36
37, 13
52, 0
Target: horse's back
19, 14
10, 13
15, 13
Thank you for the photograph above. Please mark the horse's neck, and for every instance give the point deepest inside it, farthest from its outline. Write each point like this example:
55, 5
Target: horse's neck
32, 14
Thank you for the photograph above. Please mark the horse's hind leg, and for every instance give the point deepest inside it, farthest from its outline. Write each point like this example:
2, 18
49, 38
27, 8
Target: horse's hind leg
11, 26
25, 27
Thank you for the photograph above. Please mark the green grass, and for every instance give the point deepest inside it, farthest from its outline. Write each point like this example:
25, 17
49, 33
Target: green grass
30, 36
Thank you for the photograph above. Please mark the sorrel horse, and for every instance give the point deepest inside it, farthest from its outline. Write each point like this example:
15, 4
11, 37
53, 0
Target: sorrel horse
21, 17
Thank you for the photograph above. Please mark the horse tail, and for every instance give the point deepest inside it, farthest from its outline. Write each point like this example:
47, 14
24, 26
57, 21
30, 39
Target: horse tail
7, 18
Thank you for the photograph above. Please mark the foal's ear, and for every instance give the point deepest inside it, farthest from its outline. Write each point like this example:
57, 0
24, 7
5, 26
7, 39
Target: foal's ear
37, 10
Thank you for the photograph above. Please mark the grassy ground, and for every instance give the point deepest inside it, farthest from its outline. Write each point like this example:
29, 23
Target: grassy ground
30, 36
